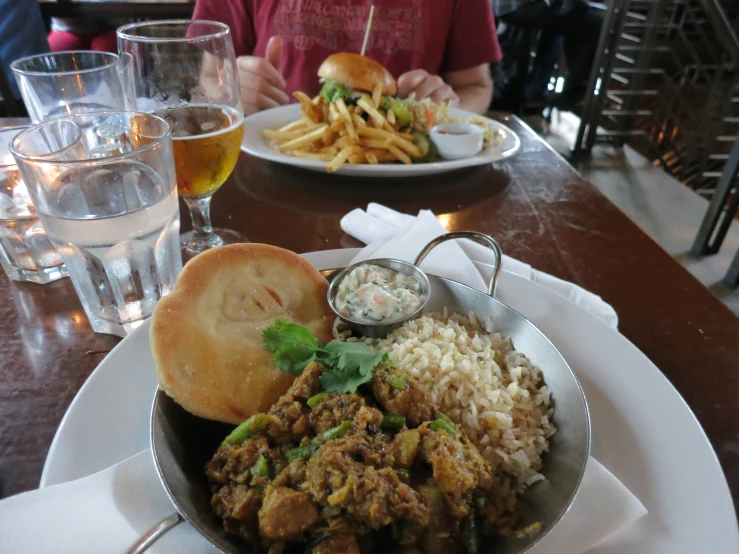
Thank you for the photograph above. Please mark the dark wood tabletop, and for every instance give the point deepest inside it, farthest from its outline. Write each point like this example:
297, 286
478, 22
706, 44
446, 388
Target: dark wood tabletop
539, 208
106, 9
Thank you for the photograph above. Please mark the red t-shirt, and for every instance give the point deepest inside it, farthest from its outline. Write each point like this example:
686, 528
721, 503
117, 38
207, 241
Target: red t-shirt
436, 35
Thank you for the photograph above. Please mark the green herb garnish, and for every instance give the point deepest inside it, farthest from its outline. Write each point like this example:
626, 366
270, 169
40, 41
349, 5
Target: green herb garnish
347, 364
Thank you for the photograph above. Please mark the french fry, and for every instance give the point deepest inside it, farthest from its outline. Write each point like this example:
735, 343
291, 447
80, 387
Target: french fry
384, 156
325, 111
341, 158
343, 142
402, 143
284, 135
351, 131
402, 156
357, 158
315, 134
365, 102
292, 126
358, 120
371, 158
333, 113
320, 157
391, 117
309, 109
333, 150
328, 137
375, 143
377, 95
406, 136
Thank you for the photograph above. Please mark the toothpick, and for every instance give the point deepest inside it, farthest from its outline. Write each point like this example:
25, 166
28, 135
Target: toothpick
367, 30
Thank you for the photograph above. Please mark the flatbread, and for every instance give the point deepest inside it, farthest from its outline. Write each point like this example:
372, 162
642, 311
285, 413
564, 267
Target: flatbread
206, 335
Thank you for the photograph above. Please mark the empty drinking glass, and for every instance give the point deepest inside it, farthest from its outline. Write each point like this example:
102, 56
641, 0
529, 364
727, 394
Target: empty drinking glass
26, 253
66, 83
109, 205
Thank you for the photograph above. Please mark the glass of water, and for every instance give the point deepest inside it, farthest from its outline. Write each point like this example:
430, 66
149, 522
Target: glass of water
66, 83
109, 204
26, 253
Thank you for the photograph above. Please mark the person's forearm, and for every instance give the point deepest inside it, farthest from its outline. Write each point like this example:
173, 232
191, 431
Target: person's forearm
475, 98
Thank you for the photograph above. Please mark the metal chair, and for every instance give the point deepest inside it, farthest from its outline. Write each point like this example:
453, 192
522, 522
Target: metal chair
721, 212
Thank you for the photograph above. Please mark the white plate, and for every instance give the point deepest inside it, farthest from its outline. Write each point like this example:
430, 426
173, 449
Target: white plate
642, 429
255, 144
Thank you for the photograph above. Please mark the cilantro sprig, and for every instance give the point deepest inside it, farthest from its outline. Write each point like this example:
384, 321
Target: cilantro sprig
347, 364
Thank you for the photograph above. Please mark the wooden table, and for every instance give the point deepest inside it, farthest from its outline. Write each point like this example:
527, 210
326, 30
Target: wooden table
104, 10
539, 208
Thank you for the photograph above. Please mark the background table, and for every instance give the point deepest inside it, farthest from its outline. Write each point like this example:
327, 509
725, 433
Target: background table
539, 208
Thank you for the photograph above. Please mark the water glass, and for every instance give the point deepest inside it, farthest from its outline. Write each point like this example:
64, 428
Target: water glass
108, 202
66, 83
26, 253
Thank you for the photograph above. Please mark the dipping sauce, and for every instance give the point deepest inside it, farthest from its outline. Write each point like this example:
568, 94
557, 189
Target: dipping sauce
371, 294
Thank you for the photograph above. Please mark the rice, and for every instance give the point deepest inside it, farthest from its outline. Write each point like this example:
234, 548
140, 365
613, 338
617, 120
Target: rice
487, 387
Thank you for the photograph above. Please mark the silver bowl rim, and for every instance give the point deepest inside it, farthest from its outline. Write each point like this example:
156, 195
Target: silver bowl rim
415, 271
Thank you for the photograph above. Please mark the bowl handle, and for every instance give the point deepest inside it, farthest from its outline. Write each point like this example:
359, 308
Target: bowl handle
143, 543
483, 239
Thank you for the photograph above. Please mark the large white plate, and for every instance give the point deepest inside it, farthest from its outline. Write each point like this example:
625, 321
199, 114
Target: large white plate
255, 144
642, 429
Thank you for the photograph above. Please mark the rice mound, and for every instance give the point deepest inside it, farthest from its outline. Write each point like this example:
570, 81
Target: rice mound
489, 389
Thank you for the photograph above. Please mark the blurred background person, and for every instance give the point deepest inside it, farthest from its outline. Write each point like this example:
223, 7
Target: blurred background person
564, 24
74, 33
437, 49
22, 33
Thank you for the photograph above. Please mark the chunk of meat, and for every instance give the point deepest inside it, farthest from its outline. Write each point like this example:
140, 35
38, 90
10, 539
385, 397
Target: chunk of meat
336, 408
286, 514
232, 463
457, 467
236, 502
411, 401
374, 497
291, 409
307, 384
343, 543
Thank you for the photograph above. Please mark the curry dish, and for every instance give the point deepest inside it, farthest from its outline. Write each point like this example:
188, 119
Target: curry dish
336, 472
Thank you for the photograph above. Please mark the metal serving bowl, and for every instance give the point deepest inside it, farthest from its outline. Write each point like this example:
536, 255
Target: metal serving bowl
380, 329
182, 443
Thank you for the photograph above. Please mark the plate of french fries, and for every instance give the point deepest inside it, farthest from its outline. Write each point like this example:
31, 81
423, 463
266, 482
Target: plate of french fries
360, 139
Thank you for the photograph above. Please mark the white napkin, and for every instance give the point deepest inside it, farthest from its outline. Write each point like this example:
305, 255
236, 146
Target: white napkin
390, 234
109, 510
103, 513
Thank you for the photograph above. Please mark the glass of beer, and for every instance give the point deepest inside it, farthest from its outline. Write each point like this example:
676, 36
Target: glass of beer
185, 72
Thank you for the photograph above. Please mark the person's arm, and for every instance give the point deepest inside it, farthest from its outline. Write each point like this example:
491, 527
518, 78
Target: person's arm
262, 84
474, 86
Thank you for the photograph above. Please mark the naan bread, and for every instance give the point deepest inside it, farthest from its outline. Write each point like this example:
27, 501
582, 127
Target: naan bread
206, 335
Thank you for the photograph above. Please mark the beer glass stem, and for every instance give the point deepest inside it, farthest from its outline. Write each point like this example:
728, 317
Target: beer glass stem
202, 236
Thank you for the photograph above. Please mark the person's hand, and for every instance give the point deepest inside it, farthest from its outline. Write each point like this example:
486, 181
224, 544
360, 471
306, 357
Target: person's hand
262, 84
425, 85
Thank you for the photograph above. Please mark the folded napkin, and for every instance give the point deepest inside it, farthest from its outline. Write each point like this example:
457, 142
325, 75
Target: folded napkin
103, 513
109, 510
390, 234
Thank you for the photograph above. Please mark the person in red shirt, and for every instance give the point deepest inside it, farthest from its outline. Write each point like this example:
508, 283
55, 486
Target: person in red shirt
437, 49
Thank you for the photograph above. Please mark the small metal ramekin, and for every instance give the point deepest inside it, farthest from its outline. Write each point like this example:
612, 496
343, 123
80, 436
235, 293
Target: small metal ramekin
380, 329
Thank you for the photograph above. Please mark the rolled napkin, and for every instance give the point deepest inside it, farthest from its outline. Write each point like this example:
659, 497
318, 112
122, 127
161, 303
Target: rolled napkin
108, 511
391, 234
